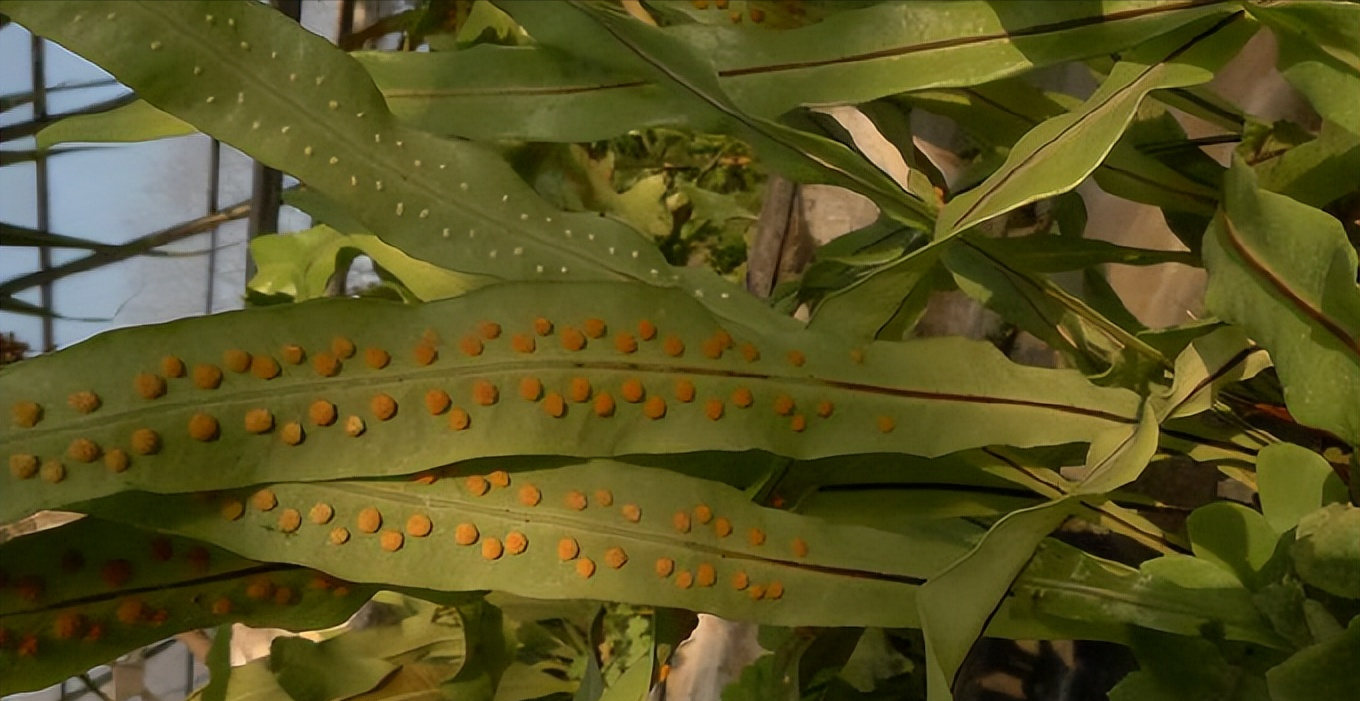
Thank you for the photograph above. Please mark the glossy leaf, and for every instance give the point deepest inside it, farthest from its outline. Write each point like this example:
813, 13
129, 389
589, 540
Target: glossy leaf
1294, 482
772, 388
1326, 550
135, 121
1058, 154
957, 605
1285, 273
85, 593
1319, 54
300, 104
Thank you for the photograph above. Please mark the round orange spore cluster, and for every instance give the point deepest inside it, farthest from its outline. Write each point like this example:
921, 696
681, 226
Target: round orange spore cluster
579, 389
149, 385
530, 388
595, 328
568, 549
83, 450
84, 402
632, 390
369, 520
572, 339
376, 358
470, 345
646, 330
673, 346
554, 405
292, 433
326, 364
425, 354
172, 366
489, 330
542, 326
207, 376
236, 360
604, 405
615, 557
145, 442
459, 419
322, 413
516, 542
684, 390
342, 347
26, 414
654, 408
259, 421
742, 397
203, 427
293, 354
465, 534
484, 393
625, 343
264, 367
116, 460
713, 409
523, 343
383, 406
437, 401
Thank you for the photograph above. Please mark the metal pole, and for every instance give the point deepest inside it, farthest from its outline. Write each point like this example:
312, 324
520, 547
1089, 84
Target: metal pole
265, 195
36, 52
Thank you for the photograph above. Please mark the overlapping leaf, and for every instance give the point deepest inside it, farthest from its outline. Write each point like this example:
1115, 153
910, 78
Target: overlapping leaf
589, 369
245, 74
82, 594
1285, 272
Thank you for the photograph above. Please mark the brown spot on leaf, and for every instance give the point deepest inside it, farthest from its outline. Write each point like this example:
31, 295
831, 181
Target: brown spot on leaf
321, 513
26, 414
259, 589
84, 402
376, 358
750, 352
632, 390
293, 354
259, 421
236, 360
116, 573
485, 393
437, 401
796, 358
149, 385
130, 611
172, 366
264, 500
342, 347
145, 442
221, 606
162, 549
383, 406
232, 509
477, 485
292, 433
264, 367
289, 520
604, 405
370, 520
326, 364
52, 471
72, 561
465, 534
798, 423
425, 354
23, 466
722, 527
857, 356
572, 339
886, 424
800, 547
203, 427
713, 347
83, 450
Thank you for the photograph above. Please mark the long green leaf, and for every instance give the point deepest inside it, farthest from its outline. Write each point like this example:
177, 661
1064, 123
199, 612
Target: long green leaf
1058, 154
135, 121
1319, 53
1286, 273
772, 388
528, 92
82, 594
243, 73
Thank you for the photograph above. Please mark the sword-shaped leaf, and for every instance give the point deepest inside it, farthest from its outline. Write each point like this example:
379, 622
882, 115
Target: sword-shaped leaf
348, 388
245, 74
85, 593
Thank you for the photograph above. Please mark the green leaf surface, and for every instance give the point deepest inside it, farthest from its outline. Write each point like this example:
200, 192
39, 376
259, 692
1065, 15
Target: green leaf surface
926, 397
1318, 172
1058, 154
312, 671
300, 264
244, 73
1209, 363
1294, 482
1044, 253
956, 606
1118, 457
135, 121
1322, 671
526, 92
1178, 668
85, 593
1326, 550
1234, 536
1285, 273
1319, 53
